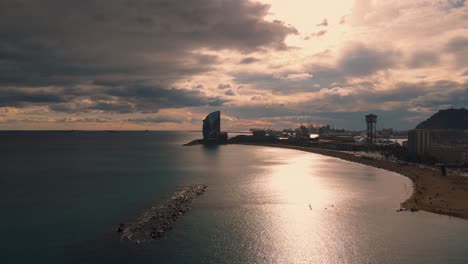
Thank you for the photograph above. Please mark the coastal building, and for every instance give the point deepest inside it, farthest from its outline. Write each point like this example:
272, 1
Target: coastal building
258, 133
386, 132
212, 125
450, 154
419, 141
442, 136
212, 128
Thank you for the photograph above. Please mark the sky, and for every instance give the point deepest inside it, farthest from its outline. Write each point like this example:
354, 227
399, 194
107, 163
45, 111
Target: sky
165, 64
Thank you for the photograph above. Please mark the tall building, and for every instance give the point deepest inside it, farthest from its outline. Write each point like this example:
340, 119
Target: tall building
212, 129
419, 141
212, 126
444, 136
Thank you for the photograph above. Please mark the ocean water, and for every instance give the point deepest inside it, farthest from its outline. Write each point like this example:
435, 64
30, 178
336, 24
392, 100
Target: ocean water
63, 193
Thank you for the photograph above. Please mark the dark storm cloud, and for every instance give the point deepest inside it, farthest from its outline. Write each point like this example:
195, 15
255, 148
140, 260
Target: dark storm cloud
63, 44
163, 98
20, 96
138, 98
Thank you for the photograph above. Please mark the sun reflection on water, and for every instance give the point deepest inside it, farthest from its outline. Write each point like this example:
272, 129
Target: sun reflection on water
295, 182
303, 224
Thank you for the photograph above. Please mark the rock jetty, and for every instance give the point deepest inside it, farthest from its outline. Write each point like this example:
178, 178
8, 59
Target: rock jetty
154, 222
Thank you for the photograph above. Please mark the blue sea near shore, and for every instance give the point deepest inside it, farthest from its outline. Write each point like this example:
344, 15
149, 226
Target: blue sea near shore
63, 193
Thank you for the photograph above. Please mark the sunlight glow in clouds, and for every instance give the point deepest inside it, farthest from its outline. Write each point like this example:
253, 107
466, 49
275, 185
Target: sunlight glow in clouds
307, 16
165, 65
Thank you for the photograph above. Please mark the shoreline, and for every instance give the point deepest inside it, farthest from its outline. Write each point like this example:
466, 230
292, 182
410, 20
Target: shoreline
432, 192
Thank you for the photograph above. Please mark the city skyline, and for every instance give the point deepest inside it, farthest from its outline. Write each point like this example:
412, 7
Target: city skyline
166, 64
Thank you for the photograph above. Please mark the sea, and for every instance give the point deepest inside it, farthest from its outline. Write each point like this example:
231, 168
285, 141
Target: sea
63, 193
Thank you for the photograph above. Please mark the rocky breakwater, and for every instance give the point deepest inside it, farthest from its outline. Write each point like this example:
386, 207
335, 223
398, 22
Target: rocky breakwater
154, 222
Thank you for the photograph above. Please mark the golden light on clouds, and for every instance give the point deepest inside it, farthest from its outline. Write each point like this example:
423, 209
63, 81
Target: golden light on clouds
308, 18
265, 63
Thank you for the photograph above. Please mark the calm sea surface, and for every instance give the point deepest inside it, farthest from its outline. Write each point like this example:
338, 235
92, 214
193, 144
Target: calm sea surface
63, 193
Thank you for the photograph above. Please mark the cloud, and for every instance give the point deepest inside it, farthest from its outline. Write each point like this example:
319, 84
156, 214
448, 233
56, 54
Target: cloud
456, 3
157, 119
324, 23
249, 60
116, 47
223, 86
84, 120
458, 47
422, 59
319, 33
393, 100
56, 120
297, 76
360, 60
123, 99
342, 20
355, 60
23, 96
146, 60
229, 92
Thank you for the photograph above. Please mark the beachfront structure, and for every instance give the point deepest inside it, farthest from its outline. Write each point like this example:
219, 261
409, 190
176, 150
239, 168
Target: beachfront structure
371, 121
212, 126
419, 141
449, 146
212, 129
450, 154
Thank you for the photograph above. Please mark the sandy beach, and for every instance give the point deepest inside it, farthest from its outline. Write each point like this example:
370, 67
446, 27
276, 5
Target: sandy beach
432, 192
